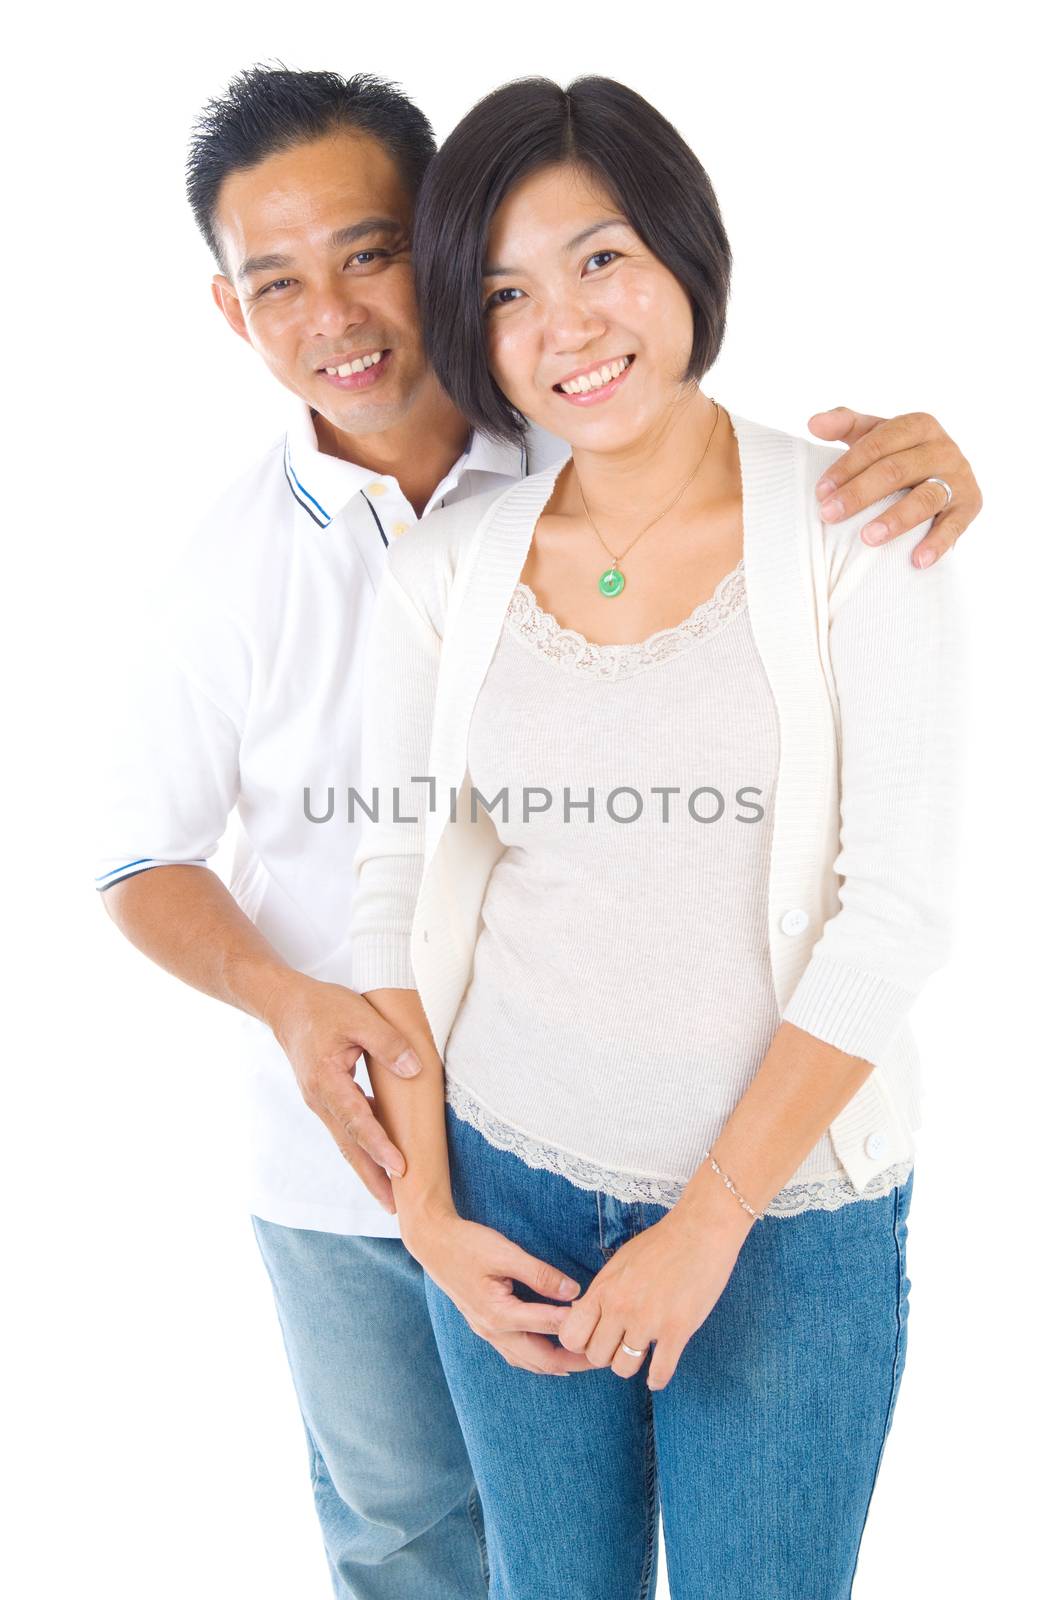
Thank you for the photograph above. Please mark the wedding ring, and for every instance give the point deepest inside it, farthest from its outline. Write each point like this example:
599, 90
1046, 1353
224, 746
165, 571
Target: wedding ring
945, 485
630, 1352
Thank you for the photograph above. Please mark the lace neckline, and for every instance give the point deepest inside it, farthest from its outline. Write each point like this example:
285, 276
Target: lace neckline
568, 648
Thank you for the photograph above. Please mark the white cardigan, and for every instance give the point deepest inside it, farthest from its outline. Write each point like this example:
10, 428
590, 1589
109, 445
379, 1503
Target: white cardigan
870, 711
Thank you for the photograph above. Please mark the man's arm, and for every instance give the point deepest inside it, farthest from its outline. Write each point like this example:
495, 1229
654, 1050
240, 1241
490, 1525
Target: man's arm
185, 919
884, 456
168, 784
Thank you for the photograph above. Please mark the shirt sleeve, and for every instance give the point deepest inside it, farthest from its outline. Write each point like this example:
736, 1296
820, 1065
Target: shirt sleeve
401, 676
898, 649
169, 765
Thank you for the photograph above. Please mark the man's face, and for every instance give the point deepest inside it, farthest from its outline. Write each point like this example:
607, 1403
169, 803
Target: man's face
316, 242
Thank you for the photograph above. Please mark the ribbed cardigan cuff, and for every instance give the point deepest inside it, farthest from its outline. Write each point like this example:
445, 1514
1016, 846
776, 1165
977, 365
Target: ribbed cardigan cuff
382, 961
857, 1012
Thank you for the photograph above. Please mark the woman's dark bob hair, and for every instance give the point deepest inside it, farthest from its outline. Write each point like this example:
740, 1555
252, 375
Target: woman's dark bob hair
653, 177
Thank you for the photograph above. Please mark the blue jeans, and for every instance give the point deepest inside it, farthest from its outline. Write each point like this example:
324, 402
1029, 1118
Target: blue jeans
763, 1448
394, 1489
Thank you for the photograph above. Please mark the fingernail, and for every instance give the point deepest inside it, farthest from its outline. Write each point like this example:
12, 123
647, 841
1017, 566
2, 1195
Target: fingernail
567, 1287
832, 510
874, 532
924, 558
825, 486
407, 1064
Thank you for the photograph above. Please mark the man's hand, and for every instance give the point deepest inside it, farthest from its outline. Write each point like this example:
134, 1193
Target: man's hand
323, 1028
898, 453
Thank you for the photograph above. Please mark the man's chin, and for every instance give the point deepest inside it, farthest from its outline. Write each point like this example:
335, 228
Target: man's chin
364, 417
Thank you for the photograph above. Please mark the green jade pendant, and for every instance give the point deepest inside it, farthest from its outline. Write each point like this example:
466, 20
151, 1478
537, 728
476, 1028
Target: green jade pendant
611, 582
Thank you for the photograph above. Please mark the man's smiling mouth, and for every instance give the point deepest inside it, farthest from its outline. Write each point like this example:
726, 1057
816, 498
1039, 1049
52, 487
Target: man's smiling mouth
354, 364
354, 372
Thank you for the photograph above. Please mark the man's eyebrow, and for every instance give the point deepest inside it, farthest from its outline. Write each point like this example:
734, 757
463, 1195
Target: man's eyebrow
262, 264
360, 230
341, 236
572, 244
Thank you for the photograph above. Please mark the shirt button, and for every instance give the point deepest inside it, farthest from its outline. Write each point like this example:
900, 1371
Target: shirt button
399, 528
377, 488
876, 1146
794, 921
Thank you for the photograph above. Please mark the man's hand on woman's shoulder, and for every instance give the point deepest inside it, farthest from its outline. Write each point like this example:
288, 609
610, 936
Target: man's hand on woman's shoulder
885, 455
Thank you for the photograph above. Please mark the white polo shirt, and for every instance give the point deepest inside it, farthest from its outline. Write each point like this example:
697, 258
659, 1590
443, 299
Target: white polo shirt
247, 697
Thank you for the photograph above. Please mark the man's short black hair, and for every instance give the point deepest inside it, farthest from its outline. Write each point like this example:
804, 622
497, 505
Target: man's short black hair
268, 109
640, 158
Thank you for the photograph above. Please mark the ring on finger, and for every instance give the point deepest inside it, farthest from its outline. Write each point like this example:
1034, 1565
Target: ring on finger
945, 485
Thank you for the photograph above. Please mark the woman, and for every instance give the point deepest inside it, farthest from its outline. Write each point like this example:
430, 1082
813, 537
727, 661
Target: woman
669, 859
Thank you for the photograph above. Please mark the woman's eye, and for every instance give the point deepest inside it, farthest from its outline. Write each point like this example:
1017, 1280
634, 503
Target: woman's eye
496, 299
612, 254
364, 258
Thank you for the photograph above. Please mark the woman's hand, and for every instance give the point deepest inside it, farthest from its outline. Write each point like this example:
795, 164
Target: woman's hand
660, 1286
477, 1267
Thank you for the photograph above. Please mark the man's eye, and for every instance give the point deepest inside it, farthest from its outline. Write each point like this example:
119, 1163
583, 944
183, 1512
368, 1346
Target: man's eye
496, 299
280, 283
613, 254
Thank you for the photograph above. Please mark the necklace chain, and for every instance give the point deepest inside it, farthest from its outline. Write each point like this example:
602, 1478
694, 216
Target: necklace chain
613, 581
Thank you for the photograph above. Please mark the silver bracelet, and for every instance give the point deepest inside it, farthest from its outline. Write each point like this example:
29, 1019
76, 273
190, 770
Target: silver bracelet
727, 1181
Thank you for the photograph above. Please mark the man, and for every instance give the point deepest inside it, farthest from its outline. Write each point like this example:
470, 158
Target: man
304, 186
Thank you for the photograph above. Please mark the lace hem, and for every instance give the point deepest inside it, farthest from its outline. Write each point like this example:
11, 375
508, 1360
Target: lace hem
826, 1193
571, 649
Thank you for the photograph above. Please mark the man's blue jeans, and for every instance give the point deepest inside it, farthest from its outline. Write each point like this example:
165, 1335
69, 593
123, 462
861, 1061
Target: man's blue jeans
764, 1446
394, 1489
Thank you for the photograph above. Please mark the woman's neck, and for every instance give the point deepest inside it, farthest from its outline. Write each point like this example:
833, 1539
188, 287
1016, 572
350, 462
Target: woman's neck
624, 489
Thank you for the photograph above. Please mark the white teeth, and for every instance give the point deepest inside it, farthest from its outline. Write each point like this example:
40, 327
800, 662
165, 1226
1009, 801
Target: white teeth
359, 365
595, 380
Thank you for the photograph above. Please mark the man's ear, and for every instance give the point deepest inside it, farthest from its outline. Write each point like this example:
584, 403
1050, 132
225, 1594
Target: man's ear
227, 302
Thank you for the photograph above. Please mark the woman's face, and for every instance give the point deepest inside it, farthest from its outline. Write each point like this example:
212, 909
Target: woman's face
571, 293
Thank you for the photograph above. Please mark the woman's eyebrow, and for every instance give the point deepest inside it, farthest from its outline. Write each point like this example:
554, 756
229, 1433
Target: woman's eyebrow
572, 244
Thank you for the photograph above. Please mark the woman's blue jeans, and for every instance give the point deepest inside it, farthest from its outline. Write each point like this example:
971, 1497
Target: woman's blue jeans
764, 1447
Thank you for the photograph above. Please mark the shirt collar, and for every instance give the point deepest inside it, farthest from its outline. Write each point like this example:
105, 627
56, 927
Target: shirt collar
323, 485
491, 455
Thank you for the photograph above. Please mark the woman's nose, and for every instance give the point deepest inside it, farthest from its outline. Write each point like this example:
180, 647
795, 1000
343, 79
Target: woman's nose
570, 324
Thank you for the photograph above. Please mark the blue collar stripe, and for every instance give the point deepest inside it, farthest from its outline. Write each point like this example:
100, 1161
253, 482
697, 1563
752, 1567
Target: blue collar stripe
301, 493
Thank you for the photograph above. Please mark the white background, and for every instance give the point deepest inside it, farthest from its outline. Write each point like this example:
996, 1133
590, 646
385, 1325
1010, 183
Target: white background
886, 183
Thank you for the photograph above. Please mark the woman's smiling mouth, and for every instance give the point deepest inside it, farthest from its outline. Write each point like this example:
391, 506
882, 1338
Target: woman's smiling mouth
593, 384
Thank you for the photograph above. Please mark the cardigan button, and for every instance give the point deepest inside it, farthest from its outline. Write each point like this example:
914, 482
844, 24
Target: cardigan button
876, 1146
794, 921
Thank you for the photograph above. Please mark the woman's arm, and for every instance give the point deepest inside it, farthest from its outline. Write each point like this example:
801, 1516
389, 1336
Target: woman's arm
474, 1265
415, 1120
898, 652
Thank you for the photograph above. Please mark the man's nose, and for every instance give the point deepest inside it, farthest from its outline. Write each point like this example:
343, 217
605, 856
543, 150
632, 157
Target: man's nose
331, 310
